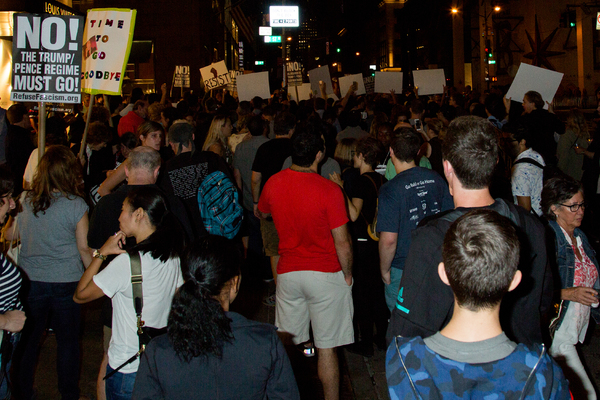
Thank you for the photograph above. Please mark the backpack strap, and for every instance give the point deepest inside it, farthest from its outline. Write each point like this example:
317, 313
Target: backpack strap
529, 161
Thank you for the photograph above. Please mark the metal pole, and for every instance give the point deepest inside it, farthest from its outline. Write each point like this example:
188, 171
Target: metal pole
87, 125
41, 130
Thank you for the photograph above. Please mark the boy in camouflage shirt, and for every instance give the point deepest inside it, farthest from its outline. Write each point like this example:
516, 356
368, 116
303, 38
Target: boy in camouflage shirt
471, 357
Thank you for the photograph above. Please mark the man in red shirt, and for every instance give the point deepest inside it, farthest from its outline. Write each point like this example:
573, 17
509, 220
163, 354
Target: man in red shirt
133, 119
314, 274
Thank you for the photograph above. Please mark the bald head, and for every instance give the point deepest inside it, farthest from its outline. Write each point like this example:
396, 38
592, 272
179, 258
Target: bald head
142, 165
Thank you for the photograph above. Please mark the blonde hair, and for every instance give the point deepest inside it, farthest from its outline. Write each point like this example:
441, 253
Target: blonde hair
343, 151
436, 125
215, 132
576, 122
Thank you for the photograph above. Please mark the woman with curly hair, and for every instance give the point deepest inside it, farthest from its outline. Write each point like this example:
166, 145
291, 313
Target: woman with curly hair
159, 241
218, 134
53, 228
206, 343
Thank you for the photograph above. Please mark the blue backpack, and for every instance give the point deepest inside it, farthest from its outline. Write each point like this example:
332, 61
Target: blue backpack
221, 212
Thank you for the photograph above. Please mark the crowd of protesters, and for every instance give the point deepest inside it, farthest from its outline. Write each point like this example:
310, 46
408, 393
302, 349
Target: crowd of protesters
346, 207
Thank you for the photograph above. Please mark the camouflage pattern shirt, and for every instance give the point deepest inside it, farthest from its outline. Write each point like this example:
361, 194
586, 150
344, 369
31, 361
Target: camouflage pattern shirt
420, 373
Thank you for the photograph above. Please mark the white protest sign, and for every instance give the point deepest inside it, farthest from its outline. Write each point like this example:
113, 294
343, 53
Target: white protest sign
251, 85
348, 80
47, 58
430, 81
386, 81
320, 74
303, 92
528, 77
107, 43
215, 75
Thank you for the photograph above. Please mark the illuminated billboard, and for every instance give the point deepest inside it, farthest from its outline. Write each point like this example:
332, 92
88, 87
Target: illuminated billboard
284, 16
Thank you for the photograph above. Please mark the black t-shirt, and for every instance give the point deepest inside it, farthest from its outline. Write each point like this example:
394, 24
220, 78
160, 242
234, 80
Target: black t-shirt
366, 187
270, 158
182, 178
18, 149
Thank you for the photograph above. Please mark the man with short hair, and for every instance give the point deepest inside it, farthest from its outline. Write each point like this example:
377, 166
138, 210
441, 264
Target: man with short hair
413, 194
185, 172
527, 178
543, 124
472, 357
134, 118
242, 171
353, 130
314, 286
424, 305
268, 161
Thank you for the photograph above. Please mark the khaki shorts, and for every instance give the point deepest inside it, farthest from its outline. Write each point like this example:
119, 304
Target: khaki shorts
270, 237
318, 298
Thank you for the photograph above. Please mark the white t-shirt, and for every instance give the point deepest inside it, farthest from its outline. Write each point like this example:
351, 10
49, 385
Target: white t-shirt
528, 180
161, 280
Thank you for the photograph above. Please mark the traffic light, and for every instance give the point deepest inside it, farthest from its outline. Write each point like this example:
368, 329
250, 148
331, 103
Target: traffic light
572, 17
338, 50
488, 50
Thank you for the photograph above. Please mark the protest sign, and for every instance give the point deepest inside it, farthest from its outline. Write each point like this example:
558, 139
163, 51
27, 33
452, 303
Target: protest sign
47, 58
303, 92
251, 85
320, 74
386, 81
215, 75
294, 73
232, 85
107, 43
430, 81
348, 80
369, 82
528, 77
182, 76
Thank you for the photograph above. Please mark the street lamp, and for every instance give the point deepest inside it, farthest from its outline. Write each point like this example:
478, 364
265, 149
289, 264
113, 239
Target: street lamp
454, 10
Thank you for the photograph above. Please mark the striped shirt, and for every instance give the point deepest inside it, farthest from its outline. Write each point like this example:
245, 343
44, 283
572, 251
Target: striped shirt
10, 284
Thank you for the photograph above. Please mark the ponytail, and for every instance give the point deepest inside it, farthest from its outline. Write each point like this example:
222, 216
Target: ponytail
197, 323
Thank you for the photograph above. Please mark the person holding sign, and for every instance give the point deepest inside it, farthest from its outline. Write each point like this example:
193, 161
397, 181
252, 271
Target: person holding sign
543, 124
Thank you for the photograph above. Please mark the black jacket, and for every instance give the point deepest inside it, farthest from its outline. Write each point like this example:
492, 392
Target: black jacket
427, 303
253, 366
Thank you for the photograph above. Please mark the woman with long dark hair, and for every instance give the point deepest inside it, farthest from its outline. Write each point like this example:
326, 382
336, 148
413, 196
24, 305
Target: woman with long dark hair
159, 240
206, 343
53, 228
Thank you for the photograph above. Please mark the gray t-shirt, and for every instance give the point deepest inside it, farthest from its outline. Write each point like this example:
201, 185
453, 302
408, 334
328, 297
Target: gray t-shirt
48, 245
484, 351
242, 160
325, 168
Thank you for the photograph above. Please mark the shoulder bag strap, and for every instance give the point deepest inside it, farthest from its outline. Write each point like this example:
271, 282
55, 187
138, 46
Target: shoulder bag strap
138, 303
136, 286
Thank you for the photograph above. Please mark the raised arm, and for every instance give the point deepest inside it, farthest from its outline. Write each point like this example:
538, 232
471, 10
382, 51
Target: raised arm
112, 180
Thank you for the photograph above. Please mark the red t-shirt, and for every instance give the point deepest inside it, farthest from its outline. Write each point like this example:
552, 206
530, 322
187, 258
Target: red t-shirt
129, 123
305, 208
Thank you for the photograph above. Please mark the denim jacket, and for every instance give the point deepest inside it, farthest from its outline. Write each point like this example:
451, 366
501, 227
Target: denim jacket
565, 261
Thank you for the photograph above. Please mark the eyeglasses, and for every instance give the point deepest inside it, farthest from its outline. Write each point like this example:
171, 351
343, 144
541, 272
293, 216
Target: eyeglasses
574, 207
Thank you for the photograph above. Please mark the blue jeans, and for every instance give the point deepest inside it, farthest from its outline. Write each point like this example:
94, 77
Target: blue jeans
50, 302
391, 290
119, 386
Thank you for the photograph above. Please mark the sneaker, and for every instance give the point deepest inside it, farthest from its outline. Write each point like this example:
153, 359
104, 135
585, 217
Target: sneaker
307, 349
269, 301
